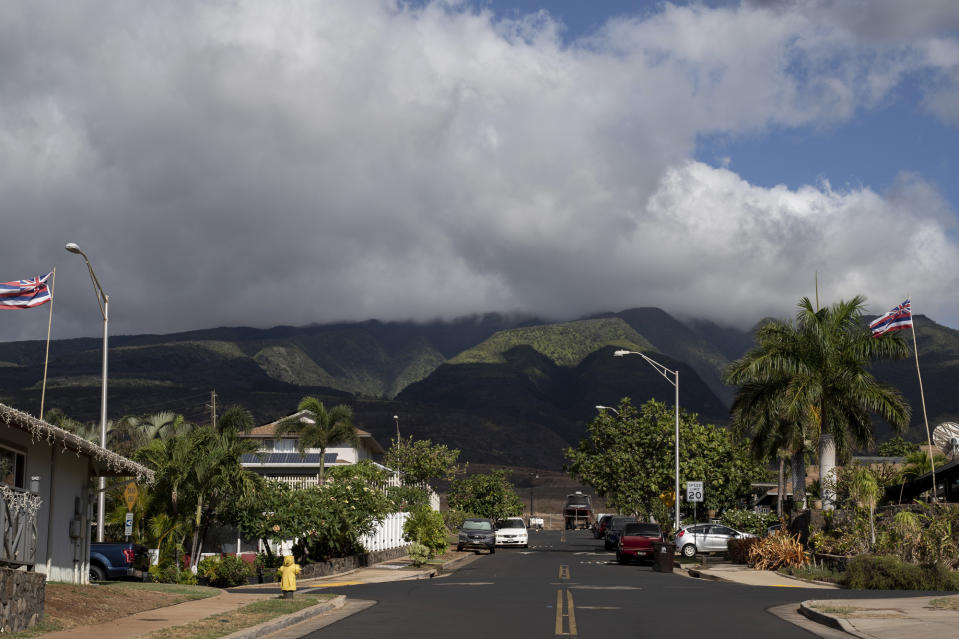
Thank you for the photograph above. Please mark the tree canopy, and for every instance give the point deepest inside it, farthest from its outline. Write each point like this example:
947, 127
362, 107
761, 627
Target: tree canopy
486, 495
629, 459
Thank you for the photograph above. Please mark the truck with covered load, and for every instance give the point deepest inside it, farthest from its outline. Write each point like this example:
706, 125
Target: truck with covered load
578, 512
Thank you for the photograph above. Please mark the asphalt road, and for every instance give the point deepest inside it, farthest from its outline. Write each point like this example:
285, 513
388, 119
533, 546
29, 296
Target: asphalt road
566, 585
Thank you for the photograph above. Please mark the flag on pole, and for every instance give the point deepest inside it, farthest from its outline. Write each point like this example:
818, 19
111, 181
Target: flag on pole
25, 293
896, 319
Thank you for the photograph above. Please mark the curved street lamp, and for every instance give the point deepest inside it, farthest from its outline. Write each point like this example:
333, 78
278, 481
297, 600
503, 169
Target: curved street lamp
665, 372
601, 408
103, 301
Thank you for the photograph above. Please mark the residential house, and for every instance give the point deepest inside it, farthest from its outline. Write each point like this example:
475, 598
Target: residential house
279, 458
47, 497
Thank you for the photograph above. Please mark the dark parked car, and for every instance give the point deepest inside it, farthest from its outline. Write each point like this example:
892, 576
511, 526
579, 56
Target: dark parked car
615, 529
636, 542
600, 531
477, 534
114, 561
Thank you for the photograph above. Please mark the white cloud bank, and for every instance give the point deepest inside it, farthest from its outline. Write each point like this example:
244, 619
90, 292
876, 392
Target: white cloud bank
256, 163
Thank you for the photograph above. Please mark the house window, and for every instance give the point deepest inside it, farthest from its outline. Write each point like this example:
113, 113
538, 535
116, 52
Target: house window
267, 445
13, 465
284, 446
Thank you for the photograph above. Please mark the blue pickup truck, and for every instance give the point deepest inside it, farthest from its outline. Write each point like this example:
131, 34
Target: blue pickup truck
117, 561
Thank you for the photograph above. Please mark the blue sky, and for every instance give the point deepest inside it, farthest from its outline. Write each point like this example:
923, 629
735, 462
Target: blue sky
251, 163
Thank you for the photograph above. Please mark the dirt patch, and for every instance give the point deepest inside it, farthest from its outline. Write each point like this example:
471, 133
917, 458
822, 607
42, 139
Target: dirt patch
69, 605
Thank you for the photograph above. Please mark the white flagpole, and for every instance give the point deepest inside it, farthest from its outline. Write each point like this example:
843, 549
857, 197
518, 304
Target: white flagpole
922, 396
46, 358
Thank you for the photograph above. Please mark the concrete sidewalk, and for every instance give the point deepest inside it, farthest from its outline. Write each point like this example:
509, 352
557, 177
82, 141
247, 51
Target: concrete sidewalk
737, 573
150, 620
228, 601
879, 618
911, 617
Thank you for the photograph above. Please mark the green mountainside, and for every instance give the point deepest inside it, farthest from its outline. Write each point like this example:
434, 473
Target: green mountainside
505, 389
565, 344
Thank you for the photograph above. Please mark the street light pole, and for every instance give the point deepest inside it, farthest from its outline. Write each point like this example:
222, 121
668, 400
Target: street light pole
397, 419
602, 408
103, 301
665, 372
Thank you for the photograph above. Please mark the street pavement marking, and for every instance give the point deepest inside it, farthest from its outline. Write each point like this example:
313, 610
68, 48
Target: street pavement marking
569, 616
564, 572
786, 586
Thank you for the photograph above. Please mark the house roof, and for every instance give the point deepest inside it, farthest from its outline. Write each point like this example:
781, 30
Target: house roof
268, 431
288, 459
109, 463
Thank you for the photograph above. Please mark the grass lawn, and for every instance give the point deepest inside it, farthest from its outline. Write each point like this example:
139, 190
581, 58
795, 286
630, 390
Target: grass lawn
247, 616
946, 603
68, 605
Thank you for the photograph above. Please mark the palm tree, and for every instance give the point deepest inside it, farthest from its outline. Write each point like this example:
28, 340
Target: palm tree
319, 428
812, 374
235, 418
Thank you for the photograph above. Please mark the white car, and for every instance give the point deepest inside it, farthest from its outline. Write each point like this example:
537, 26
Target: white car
703, 538
512, 532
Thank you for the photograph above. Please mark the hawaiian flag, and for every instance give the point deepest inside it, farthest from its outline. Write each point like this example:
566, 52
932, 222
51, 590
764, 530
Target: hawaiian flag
25, 293
895, 320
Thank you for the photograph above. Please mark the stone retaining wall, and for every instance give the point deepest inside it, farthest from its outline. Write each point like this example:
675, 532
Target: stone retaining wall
21, 599
342, 564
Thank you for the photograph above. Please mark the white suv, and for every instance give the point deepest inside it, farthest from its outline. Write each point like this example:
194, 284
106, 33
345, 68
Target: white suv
512, 532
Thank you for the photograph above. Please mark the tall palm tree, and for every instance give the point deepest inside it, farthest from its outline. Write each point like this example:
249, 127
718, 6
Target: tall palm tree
235, 418
812, 375
319, 428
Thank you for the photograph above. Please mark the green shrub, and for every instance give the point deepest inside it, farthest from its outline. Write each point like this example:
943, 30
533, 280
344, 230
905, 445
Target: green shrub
815, 573
229, 572
870, 572
425, 526
748, 521
418, 553
207, 567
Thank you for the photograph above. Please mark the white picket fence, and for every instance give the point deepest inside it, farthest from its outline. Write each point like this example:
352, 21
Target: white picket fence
389, 533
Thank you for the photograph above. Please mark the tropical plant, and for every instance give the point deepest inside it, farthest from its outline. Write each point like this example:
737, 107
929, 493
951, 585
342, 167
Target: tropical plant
810, 375
486, 495
915, 464
865, 490
202, 475
319, 428
776, 551
236, 418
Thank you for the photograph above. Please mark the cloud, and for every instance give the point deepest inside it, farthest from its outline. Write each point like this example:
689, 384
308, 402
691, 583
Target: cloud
228, 163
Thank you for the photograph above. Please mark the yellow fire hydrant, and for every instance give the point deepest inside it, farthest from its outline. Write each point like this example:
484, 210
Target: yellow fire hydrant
288, 572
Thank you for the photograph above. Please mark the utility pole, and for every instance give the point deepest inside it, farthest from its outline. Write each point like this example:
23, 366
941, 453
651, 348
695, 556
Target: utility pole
212, 406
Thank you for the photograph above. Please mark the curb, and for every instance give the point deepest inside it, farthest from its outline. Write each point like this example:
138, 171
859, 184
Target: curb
700, 575
453, 564
814, 581
279, 623
806, 609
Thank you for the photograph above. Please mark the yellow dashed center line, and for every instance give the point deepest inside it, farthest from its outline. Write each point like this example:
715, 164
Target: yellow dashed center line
565, 619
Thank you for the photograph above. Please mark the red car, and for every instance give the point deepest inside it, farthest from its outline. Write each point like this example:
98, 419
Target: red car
636, 542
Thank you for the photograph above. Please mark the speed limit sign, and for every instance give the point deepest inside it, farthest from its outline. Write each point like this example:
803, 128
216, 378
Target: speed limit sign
694, 491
